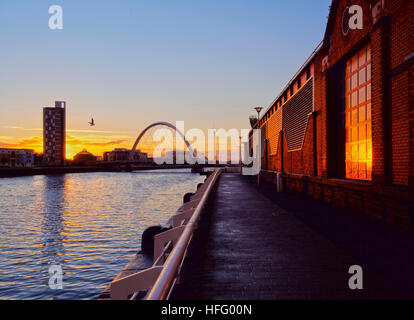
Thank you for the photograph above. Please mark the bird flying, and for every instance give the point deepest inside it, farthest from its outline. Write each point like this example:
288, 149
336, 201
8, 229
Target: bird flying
92, 123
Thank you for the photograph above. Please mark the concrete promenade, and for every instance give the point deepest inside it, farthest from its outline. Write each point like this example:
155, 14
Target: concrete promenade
264, 245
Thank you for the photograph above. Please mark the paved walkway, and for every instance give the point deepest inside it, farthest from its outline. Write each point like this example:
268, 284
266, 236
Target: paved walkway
249, 247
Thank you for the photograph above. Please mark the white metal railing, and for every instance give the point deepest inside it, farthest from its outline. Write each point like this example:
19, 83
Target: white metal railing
170, 248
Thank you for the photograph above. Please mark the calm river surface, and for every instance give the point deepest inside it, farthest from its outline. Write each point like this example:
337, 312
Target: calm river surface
89, 223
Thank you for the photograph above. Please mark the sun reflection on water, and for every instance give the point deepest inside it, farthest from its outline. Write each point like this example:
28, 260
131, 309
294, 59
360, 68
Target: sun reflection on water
90, 224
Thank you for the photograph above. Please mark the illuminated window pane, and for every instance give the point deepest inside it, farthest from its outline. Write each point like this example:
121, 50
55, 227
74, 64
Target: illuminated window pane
348, 171
354, 63
354, 81
362, 155
354, 152
362, 132
354, 170
362, 112
369, 152
362, 57
361, 74
354, 99
361, 95
354, 120
354, 134
362, 173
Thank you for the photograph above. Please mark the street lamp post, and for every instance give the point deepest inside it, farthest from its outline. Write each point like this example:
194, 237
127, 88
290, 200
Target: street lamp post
240, 151
258, 109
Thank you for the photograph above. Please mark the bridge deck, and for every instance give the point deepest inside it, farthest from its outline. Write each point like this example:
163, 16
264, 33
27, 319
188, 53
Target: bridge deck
255, 249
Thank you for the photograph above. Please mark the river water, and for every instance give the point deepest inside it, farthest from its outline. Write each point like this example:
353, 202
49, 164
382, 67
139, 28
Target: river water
88, 223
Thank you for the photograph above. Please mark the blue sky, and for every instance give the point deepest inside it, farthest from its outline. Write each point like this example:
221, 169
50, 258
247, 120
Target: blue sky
131, 63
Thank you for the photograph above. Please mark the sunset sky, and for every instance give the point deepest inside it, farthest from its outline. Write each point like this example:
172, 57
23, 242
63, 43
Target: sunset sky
131, 63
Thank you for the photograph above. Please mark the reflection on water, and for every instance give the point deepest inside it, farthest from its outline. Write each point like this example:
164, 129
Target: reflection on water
89, 223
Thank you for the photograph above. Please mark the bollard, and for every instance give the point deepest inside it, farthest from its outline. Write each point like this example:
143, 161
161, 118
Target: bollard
147, 239
187, 197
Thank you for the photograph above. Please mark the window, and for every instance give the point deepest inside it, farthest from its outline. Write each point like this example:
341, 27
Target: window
357, 116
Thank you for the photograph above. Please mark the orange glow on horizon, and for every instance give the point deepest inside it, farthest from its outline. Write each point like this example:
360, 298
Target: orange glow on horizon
95, 144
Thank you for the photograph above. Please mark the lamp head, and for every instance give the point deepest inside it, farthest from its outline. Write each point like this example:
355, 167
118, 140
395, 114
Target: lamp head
258, 109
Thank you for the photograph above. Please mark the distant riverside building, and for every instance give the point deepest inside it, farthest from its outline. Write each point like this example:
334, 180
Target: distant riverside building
54, 134
122, 154
16, 157
342, 129
84, 158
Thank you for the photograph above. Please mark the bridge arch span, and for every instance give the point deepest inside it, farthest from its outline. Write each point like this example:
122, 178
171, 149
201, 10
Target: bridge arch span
167, 124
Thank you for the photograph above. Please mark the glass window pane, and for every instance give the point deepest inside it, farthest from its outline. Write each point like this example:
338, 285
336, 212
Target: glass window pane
362, 57
354, 120
362, 114
361, 95
354, 134
348, 151
354, 152
362, 151
368, 111
354, 99
362, 132
368, 72
348, 171
362, 173
362, 76
354, 81
354, 63
354, 170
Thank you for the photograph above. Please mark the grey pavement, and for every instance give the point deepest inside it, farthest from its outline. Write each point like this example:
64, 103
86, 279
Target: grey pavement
256, 244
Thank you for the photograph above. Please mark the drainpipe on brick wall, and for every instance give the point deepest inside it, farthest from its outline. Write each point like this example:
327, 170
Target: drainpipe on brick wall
282, 169
315, 156
387, 94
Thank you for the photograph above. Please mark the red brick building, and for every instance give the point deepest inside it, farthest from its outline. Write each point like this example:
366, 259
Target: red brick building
342, 130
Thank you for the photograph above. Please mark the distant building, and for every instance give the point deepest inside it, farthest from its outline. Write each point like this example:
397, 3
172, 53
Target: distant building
38, 159
122, 154
54, 134
84, 158
16, 157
